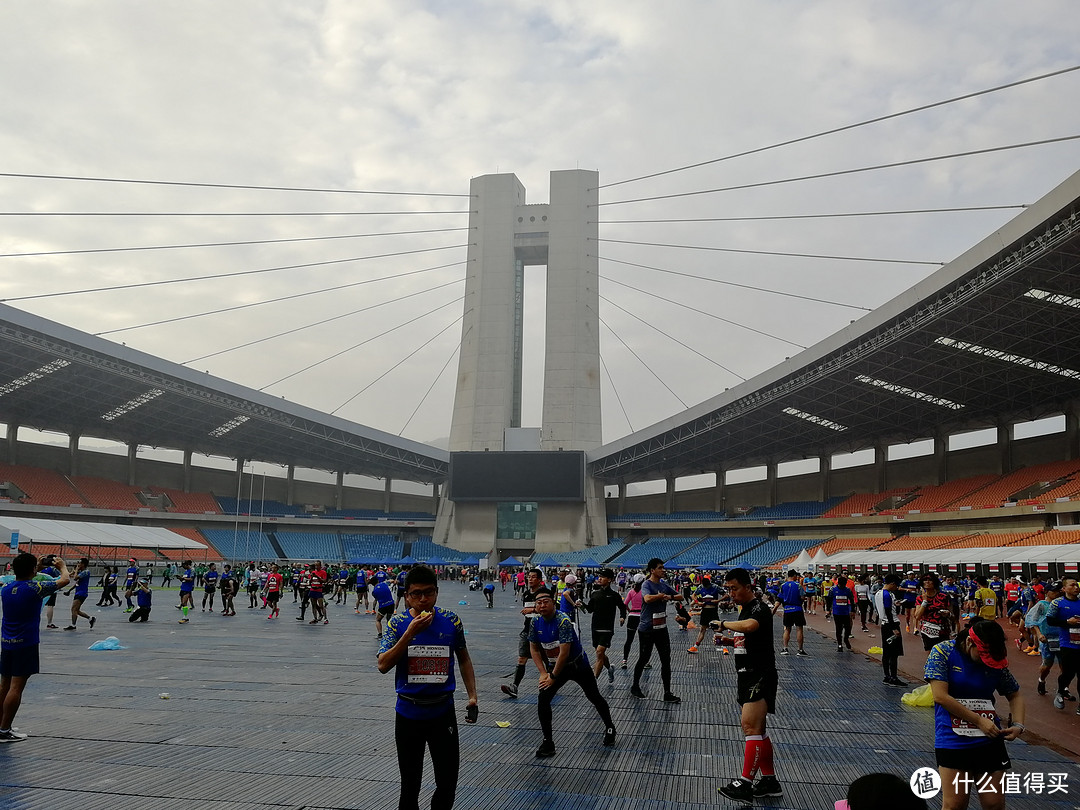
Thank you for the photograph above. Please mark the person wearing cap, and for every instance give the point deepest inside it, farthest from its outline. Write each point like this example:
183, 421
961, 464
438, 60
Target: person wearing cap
420, 646
969, 737
652, 629
1064, 614
557, 652
602, 604
1048, 637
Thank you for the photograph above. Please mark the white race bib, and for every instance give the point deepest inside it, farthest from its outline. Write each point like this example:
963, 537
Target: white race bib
551, 649
659, 621
983, 708
931, 630
740, 643
429, 663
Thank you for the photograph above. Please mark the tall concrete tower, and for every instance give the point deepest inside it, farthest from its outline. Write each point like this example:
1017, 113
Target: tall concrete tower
506, 236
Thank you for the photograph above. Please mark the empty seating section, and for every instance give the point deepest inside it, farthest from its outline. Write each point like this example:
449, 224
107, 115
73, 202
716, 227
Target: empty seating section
43, 487
423, 549
793, 510
989, 540
672, 517
1069, 489
769, 553
920, 542
1008, 486
864, 503
663, 547
195, 502
324, 546
376, 514
106, 494
207, 553
934, 498
371, 548
713, 550
243, 506
241, 544
836, 544
1051, 537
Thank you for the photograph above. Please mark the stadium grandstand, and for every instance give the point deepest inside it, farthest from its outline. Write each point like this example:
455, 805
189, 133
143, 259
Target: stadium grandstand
986, 343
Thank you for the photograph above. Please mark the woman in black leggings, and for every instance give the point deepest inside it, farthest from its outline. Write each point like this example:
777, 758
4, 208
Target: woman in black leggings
633, 617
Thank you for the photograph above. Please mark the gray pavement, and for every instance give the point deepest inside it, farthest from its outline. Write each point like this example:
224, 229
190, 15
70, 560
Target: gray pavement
268, 714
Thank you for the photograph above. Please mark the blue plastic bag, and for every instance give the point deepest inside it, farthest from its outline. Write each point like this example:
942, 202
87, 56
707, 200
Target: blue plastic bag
111, 643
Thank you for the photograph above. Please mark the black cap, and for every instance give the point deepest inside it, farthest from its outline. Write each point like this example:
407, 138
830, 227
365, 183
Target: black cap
1056, 585
607, 572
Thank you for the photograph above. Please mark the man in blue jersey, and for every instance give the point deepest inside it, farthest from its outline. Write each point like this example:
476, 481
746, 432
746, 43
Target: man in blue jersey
384, 605
82, 590
1064, 614
557, 652
420, 645
791, 597
187, 589
131, 577
908, 592
144, 598
361, 591
210, 583
811, 585
708, 597
652, 629
20, 635
839, 604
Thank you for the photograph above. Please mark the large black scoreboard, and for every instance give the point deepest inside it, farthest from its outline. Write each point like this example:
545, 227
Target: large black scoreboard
529, 475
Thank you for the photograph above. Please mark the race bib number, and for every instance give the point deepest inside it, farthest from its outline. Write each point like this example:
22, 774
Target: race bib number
551, 649
1053, 643
841, 601
983, 708
740, 643
429, 663
1074, 635
659, 621
931, 630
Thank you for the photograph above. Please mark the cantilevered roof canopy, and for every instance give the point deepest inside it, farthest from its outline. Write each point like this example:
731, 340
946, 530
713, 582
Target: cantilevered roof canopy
994, 335
56, 378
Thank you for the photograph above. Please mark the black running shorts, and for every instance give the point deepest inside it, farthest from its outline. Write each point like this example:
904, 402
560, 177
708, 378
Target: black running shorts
602, 638
795, 619
755, 686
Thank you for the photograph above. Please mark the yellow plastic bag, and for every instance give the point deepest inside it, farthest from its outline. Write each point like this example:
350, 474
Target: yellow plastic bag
920, 697
875, 651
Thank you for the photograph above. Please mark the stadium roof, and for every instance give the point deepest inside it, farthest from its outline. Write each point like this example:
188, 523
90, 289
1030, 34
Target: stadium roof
53, 377
991, 336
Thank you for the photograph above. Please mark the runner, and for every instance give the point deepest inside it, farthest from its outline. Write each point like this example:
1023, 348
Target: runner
1049, 638
131, 577
420, 645
933, 613
839, 603
210, 583
384, 605
811, 584
602, 605
968, 738
909, 591
534, 581
708, 597
82, 590
251, 583
986, 600
489, 593
652, 629
229, 588
304, 583
998, 587
275, 583
791, 597
361, 590
557, 653
633, 602
862, 599
892, 640
316, 586
755, 668
1064, 614
187, 589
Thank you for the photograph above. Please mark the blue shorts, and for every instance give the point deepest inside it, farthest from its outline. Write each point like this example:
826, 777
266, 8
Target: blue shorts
1048, 656
19, 663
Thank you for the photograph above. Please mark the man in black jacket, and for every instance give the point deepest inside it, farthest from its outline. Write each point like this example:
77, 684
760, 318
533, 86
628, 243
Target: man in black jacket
602, 605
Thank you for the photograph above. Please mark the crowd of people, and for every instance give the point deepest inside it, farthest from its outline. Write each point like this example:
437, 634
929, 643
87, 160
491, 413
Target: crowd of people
423, 644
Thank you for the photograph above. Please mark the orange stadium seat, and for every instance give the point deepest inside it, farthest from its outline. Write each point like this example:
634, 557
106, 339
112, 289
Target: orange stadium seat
106, 494
42, 487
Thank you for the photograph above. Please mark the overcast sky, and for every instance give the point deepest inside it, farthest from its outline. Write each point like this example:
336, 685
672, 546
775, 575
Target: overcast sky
420, 97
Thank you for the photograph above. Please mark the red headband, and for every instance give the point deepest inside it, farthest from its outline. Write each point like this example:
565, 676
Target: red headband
984, 652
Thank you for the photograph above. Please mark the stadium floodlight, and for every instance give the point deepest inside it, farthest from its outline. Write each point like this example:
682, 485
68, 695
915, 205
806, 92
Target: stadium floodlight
922, 396
232, 424
32, 376
1053, 298
1006, 357
817, 420
132, 404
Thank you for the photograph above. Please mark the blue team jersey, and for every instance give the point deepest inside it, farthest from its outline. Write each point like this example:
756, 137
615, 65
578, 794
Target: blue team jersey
22, 601
361, 579
131, 576
968, 681
210, 579
1062, 609
906, 595
383, 595
144, 599
426, 672
566, 605
709, 596
82, 584
380, 576
551, 633
840, 599
791, 597
811, 585
187, 581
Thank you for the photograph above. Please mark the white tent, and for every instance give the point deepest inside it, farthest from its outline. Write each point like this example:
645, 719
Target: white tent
64, 532
803, 561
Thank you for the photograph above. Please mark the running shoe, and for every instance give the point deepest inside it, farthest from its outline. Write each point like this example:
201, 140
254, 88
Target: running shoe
611, 674
183, 621
70, 627
847, 643
1041, 688
93, 621
299, 618
692, 648
316, 621
1059, 701
839, 648
510, 689
327, 621
741, 790
803, 653
624, 663
767, 786
609, 738
1067, 695
671, 697
54, 627
898, 682
784, 651
636, 691
648, 666
1034, 652
9, 736
546, 749
1019, 646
